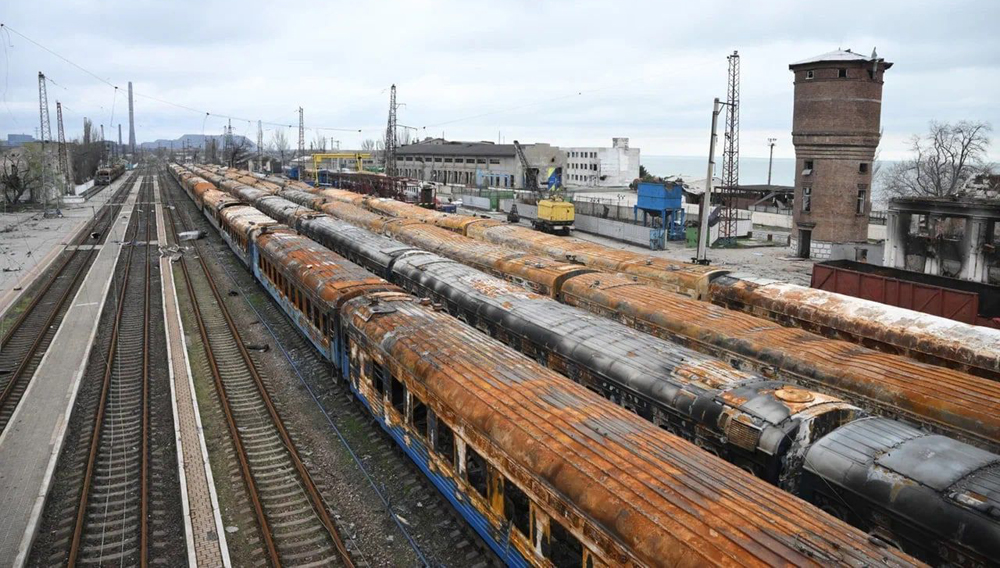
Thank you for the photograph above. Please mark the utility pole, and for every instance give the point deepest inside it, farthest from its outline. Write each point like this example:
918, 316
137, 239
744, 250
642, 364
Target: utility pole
390, 135
63, 150
302, 143
770, 160
731, 156
45, 128
260, 146
706, 200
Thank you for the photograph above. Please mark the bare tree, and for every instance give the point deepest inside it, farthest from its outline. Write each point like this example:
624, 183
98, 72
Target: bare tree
368, 145
944, 160
238, 152
279, 142
15, 176
212, 150
404, 137
320, 144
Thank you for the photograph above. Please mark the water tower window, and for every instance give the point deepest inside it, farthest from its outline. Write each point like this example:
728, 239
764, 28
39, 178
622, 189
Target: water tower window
807, 167
862, 198
842, 73
807, 198
810, 74
863, 168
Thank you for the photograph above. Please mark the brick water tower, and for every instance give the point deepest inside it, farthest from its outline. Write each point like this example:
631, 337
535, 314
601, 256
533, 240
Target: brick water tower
835, 130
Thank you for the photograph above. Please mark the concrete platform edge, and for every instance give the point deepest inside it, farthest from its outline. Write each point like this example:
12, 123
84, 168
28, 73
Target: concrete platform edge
31, 529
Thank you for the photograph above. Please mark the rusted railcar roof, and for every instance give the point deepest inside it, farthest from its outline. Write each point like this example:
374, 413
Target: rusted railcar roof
649, 366
213, 198
325, 275
960, 404
965, 344
244, 218
663, 498
964, 405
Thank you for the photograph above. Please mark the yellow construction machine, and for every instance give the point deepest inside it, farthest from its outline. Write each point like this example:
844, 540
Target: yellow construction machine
555, 214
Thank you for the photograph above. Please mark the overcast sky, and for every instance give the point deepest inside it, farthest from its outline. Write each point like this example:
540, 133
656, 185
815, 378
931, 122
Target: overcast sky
568, 73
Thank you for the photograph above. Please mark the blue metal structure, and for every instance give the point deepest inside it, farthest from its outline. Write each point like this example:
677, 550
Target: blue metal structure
663, 202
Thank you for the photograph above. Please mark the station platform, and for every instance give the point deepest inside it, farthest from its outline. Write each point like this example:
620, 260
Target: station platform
206, 536
31, 243
33, 439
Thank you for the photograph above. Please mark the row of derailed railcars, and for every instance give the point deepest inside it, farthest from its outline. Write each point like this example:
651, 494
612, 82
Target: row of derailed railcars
922, 492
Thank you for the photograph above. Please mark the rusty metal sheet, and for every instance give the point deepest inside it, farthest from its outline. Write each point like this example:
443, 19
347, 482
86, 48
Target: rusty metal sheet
323, 274
214, 199
342, 196
661, 499
246, 219
394, 208
922, 336
946, 400
355, 215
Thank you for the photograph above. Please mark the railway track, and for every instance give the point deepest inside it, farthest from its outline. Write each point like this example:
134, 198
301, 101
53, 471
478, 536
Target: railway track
430, 528
116, 498
26, 339
293, 522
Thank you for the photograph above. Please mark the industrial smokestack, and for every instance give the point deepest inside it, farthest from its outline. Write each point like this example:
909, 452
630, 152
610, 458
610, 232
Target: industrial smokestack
131, 121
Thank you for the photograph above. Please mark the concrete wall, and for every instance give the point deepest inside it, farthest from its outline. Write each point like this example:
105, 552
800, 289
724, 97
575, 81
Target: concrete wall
875, 232
476, 202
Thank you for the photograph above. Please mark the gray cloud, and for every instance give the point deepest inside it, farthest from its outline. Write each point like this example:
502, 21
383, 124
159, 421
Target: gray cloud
647, 70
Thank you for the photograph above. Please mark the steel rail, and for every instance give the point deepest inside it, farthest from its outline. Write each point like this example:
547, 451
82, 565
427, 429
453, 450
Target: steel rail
310, 486
109, 361
15, 327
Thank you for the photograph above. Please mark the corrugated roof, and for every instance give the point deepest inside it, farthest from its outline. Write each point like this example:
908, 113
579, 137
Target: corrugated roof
457, 149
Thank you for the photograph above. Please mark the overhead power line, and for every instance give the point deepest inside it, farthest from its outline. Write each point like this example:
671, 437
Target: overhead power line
157, 99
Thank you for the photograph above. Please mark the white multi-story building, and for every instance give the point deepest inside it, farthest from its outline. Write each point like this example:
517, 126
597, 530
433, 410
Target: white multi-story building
612, 167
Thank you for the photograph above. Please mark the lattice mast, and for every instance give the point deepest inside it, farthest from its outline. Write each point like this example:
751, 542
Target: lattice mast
45, 128
63, 150
43, 111
390, 135
731, 154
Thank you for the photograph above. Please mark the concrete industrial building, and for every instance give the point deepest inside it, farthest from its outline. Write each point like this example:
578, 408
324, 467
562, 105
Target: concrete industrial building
14, 140
835, 130
613, 167
475, 163
945, 236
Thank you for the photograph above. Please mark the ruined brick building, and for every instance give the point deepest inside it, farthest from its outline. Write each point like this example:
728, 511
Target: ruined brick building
835, 129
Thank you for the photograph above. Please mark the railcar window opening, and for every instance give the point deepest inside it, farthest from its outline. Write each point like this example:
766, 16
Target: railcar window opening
316, 319
418, 415
475, 471
444, 442
397, 394
566, 551
517, 508
378, 379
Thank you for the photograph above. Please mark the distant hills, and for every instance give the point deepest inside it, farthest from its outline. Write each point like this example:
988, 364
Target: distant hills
195, 141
